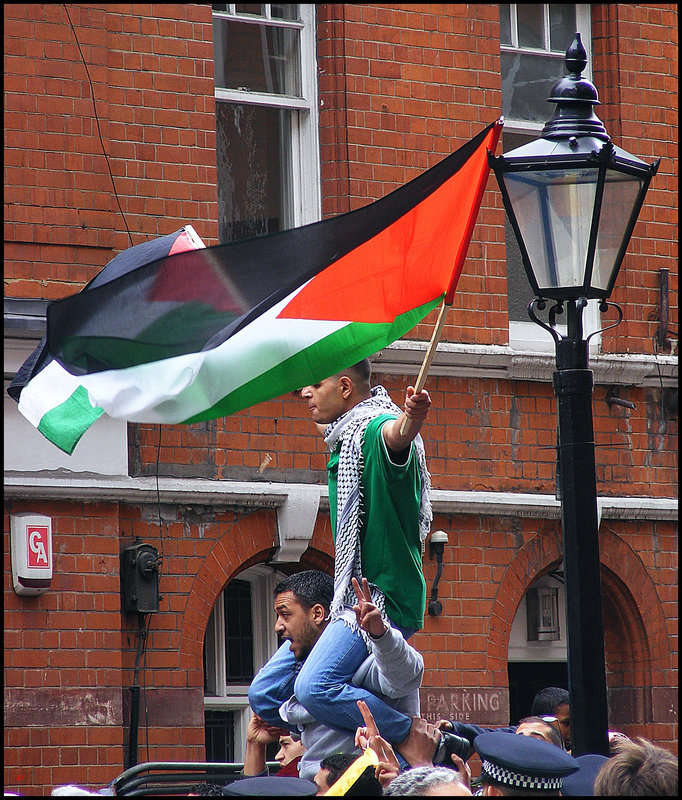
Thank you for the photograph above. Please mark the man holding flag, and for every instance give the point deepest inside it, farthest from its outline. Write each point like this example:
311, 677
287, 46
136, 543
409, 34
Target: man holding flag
381, 514
199, 333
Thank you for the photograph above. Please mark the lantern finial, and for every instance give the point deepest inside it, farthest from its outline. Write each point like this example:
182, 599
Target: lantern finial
575, 97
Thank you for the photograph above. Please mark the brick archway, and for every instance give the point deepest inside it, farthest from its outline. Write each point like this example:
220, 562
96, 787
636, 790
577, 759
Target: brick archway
637, 649
536, 557
248, 541
636, 639
643, 607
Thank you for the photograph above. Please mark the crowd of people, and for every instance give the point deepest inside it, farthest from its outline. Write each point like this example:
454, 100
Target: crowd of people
532, 757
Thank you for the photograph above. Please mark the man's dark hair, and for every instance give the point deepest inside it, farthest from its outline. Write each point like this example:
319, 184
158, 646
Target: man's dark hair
360, 372
547, 700
309, 588
367, 785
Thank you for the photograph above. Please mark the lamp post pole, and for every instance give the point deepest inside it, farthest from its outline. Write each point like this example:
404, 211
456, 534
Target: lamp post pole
573, 384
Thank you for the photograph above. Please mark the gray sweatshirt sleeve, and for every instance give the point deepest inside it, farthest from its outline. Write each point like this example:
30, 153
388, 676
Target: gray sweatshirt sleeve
394, 668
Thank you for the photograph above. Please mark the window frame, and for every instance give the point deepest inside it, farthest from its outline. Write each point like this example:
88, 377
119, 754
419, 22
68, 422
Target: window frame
304, 155
526, 335
235, 696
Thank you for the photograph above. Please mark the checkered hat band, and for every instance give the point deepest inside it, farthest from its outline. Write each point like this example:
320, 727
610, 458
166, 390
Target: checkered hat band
502, 775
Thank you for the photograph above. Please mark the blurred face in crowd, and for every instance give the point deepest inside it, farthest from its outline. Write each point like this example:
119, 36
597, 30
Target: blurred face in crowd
561, 713
321, 780
539, 730
289, 749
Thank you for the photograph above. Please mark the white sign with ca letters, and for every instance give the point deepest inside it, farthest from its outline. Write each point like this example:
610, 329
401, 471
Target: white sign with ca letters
31, 544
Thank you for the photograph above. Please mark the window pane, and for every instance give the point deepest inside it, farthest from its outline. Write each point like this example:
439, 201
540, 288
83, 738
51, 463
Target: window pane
219, 727
529, 19
238, 633
285, 11
505, 24
250, 8
209, 657
620, 194
519, 292
555, 233
257, 58
253, 172
526, 82
562, 26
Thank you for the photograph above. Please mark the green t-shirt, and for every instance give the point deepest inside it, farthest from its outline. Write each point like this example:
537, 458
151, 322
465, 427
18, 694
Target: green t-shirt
389, 525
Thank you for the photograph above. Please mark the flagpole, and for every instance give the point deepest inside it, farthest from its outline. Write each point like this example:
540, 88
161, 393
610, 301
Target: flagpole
430, 353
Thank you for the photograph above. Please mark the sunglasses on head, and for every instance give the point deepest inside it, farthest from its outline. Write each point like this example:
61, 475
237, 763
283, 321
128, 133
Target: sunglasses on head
551, 721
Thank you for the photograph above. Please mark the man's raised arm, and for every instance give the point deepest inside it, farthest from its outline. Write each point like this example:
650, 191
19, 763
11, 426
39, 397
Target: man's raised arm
398, 436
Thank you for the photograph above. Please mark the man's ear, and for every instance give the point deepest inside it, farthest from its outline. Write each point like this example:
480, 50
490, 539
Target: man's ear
318, 614
346, 386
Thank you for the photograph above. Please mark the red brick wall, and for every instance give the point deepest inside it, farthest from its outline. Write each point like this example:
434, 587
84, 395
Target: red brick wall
152, 74
481, 435
636, 72
70, 653
400, 88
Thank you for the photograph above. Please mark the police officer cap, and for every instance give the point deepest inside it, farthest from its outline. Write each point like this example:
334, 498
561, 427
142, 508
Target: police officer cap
273, 786
523, 761
581, 783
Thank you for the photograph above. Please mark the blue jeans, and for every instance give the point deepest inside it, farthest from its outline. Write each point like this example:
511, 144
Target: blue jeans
323, 686
274, 685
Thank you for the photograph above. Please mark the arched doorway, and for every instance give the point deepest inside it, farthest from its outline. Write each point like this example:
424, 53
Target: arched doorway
637, 650
537, 644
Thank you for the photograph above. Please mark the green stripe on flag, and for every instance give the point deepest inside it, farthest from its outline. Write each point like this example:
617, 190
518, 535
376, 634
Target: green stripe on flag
195, 320
64, 424
344, 347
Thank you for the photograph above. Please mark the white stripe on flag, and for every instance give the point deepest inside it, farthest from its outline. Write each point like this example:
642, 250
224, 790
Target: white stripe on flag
175, 389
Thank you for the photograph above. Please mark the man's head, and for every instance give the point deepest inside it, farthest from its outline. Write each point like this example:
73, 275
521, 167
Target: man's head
332, 768
638, 769
335, 395
554, 701
302, 604
289, 749
428, 782
546, 727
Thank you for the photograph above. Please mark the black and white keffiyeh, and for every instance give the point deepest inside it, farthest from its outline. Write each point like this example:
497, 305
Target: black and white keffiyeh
349, 429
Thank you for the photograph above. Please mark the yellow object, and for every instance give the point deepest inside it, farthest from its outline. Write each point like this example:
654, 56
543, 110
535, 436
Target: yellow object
343, 784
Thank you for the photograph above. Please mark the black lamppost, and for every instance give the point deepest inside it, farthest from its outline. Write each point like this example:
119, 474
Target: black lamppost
573, 198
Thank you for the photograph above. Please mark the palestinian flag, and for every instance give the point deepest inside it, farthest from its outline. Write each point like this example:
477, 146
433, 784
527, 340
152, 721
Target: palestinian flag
205, 333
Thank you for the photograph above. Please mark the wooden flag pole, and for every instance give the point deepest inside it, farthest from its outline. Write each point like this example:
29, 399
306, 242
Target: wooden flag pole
430, 353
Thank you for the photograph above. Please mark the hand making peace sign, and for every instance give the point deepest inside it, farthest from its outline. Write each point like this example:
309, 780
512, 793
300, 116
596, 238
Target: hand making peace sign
368, 615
